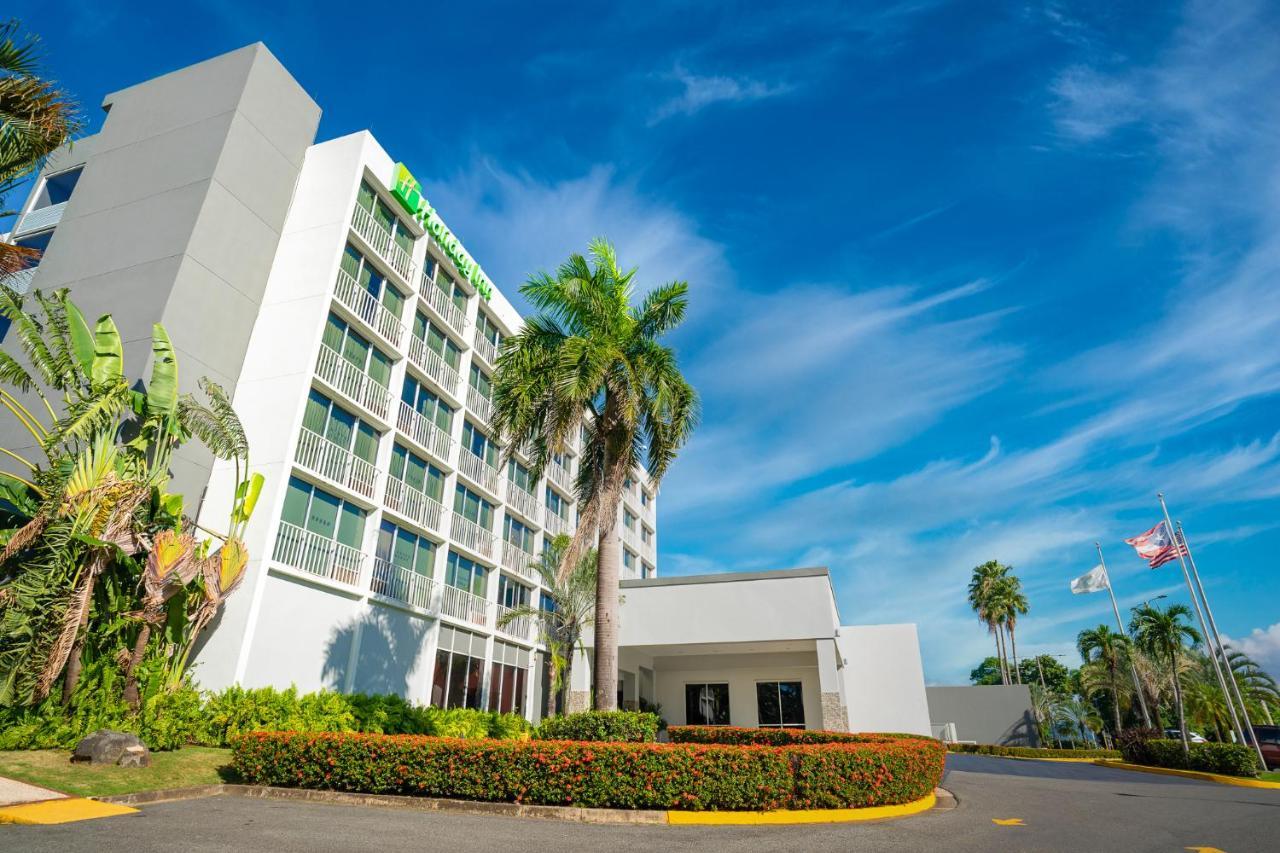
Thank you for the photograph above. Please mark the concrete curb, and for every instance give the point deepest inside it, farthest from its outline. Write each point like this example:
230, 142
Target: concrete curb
1216, 778
940, 800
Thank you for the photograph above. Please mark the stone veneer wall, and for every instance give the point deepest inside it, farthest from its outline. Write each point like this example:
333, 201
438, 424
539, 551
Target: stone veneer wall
835, 717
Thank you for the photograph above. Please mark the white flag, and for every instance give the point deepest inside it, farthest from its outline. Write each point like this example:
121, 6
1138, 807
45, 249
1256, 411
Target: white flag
1094, 580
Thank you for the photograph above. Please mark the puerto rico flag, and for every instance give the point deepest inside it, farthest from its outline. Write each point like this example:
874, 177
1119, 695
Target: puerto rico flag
1157, 546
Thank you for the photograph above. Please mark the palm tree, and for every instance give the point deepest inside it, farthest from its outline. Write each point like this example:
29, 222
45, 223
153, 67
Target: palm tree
573, 605
1010, 603
36, 118
1256, 684
589, 362
983, 585
1112, 648
1164, 634
1078, 717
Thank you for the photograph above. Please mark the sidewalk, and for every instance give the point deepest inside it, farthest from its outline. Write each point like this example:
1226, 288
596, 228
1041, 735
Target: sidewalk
13, 792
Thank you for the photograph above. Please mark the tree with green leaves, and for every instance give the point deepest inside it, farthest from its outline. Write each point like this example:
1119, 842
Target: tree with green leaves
89, 521
1165, 634
984, 585
36, 118
1111, 649
591, 363
571, 611
1009, 602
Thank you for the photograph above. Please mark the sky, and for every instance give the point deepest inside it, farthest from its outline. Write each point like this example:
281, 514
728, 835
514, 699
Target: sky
967, 281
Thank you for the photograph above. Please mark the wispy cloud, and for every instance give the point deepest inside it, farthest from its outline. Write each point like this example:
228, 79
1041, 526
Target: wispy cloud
700, 92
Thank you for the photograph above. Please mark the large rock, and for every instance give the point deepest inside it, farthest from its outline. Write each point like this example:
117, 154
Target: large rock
107, 747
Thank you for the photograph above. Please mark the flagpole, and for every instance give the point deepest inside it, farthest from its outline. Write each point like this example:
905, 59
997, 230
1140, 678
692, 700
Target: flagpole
1133, 667
1182, 561
1213, 626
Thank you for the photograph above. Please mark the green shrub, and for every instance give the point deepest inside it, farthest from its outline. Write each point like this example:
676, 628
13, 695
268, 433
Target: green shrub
736, 735
626, 726
597, 774
1029, 751
1230, 759
1133, 742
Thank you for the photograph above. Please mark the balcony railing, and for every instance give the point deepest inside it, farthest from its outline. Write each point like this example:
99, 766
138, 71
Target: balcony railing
444, 306
19, 281
357, 385
486, 349
471, 535
40, 218
403, 585
382, 243
630, 537
430, 363
460, 604
317, 555
521, 627
518, 560
413, 424
523, 502
368, 308
479, 403
555, 524
332, 460
479, 471
560, 475
413, 504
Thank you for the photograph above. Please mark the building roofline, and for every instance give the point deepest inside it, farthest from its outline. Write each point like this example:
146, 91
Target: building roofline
729, 577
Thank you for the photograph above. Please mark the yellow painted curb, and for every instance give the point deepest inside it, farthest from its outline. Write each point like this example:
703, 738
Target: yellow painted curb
66, 810
785, 816
1237, 781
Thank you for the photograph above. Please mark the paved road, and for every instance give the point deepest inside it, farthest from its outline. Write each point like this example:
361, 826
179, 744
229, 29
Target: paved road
1075, 807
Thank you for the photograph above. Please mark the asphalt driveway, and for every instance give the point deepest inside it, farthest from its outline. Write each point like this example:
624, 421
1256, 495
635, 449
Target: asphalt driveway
1040, 806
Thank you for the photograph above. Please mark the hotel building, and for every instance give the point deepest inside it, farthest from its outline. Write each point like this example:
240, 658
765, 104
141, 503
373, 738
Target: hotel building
358, 338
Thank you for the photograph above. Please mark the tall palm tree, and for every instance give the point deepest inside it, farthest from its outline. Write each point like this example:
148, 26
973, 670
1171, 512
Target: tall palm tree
1010, 603
36, 118
592, 363
1256, 685
1112, 648
1079, 717
983, 584
1165, 634
572, 610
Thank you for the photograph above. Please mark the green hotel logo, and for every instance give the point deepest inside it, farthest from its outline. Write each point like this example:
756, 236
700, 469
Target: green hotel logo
408, 192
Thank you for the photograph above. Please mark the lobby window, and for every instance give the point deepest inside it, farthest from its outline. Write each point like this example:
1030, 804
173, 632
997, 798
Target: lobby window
369, 279
435, 340
507, 677
459, 669
706, 704
472, 507
425, 402
364, 356
329, 420
511, 593
406, 550
465, 574
779, 704
518, 534
327, 516
474, 440
417, 473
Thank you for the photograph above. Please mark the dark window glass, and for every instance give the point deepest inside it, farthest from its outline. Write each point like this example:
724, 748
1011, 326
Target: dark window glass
441, 680
706, 704
457, 695
495, 681
517, 703
475, 674
780, 703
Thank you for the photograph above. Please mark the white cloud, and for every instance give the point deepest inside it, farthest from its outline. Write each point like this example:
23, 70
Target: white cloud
1091, 104
701, 92
1263, 645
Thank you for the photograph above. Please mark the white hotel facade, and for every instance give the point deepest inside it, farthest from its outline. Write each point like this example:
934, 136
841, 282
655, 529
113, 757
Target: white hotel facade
390, 538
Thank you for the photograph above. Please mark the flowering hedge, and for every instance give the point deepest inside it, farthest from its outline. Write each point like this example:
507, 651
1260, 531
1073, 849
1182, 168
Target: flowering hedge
739, 736
597, 774
634, 726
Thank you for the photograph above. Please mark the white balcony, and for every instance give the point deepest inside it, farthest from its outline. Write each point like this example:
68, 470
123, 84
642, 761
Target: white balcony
519, 628
413, 505
479, 471
379, 239
471, 535
480, 404
403, 585
630, 537
444, 308
314, 554
485, 349
374, 314
335, 462
353, 383
463, 606
432, 365
20, 281
556, 525
561, 475
523, 503
519, 560
40, 218
426, 434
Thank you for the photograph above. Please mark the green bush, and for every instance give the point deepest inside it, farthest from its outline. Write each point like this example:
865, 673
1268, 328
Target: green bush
1030, 752
597, 774
626, 726
736, 735
1230, 759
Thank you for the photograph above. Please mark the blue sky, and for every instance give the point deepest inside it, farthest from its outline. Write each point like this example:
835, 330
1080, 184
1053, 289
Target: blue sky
969, 281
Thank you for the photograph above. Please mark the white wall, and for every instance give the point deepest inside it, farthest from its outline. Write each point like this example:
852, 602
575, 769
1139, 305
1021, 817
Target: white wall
884, 679
740, 672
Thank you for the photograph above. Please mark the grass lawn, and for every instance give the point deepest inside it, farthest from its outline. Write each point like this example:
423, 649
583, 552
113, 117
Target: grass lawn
52, 768
1272, 776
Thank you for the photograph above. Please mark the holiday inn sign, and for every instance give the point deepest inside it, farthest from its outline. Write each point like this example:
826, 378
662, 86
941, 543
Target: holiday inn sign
408, 192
